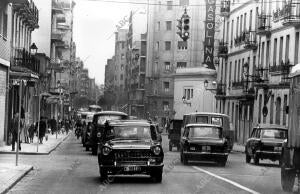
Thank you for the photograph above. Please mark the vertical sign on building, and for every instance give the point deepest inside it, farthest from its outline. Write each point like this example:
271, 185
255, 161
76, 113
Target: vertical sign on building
209, 33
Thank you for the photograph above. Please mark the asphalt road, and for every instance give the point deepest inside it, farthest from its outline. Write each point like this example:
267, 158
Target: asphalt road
70, 169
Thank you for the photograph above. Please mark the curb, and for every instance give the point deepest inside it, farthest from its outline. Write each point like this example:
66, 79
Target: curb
38, 153
17, 180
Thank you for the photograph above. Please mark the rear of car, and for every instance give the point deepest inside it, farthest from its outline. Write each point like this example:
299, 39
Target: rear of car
203, 142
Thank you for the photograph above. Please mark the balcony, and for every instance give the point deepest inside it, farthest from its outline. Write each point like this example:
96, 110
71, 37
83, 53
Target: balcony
250, 40
28, 11
292, 14
223, 49
282, 69
240, 39
237, 84
221, 89
60, 18
264, 24
56, 36
57, 7
225, 8
62, 44
24, 59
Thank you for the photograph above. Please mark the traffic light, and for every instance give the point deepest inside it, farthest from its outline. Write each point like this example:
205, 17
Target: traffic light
186, 27
179, 27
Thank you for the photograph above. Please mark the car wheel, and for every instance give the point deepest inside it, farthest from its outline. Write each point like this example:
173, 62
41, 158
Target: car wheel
248, 158
170, 147
156, 175
103, 174
256, 159
94, 150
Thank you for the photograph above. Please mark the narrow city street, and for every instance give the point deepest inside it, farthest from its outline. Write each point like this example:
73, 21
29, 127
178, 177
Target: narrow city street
70, 169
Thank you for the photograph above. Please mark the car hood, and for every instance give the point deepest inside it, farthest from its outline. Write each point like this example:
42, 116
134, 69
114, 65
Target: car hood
206, 141
272, 142
131, 144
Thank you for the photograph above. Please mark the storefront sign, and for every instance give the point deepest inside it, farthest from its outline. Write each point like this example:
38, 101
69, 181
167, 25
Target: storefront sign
209, 33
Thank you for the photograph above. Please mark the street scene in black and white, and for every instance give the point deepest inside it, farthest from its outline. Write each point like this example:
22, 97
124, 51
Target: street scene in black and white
149, 96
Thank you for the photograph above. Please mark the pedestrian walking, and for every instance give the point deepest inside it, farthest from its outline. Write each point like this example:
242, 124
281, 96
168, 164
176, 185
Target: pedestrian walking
14, 131
31, 131
42, 129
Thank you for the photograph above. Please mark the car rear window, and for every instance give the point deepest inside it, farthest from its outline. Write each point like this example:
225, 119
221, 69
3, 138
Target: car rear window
103, 118
274, 133
201, 119
204, 132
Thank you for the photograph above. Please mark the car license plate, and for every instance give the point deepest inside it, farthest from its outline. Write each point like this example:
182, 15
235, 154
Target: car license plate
192, 148
206, 148
132, 168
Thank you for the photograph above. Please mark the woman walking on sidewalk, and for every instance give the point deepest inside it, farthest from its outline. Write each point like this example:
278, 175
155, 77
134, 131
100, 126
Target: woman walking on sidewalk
14, 131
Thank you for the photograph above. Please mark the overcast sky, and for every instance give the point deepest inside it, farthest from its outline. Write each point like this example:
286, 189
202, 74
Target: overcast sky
94, 26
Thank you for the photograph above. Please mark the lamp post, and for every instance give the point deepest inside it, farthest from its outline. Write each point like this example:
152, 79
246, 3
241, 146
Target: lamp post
33, 49
213, 90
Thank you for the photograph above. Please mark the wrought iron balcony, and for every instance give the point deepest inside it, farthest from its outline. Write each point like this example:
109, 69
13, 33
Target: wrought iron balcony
240, 39
223, 49
250, 40
292, 14
264, 24
23, 58
225, 8
28, 11
282, 69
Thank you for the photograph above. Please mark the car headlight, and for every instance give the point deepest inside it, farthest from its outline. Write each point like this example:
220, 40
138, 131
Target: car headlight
106, 150
156, 150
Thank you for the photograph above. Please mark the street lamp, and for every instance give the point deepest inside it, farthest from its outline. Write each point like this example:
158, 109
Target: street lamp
213, 90
33, 48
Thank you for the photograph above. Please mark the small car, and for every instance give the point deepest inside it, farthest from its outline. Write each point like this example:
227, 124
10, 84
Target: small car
265, 142
130, 147
204, 142
98, 125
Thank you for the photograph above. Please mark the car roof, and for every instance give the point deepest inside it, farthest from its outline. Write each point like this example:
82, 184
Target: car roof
207, 113
111, 113
129, 123
202, 125
273, 126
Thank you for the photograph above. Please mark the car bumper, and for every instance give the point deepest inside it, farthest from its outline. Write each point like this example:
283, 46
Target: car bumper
204, 155
139, 169
268, 154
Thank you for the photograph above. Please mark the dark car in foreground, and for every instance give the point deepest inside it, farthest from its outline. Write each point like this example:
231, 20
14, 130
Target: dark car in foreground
98, 126
130, 147
265, 142
203, 142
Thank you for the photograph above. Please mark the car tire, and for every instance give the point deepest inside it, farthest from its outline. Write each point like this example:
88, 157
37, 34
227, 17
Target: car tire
256, 159
94, 150
156, 175
103, 174
170, 147
248, 158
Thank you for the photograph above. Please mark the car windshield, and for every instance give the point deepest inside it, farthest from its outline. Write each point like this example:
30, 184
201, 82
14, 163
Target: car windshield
205, 132
131, 132
274, 134
103, 118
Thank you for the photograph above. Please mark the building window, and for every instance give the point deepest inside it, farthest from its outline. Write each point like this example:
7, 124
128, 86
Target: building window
157, 46
123, 44
188, 93
168, 25
122, 67
122, 56
287, 48
275, 51
284, 108
169, 5
3, 22
181, 64
271, 109
158, 26
278, 111
182, 45
166, 86
184, 2
167, 45
166, 105
167, 66
121, 77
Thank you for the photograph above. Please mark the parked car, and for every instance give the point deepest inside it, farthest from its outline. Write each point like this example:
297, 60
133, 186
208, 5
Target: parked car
265, 142
98, 125
204, 142
130, 147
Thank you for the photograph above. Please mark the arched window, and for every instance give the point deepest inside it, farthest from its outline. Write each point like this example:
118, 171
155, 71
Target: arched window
278, 109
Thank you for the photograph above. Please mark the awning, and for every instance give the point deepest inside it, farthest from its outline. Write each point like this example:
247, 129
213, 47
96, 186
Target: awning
22, 73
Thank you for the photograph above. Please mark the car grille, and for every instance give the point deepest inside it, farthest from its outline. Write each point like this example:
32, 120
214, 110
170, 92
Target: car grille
267, 148
133, 156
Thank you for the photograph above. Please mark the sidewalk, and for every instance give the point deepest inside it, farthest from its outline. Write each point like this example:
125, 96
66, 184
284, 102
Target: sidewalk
11, 174
44, 149
238, 148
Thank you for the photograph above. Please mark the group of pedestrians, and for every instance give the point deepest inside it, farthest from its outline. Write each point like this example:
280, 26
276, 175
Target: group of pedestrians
26, 134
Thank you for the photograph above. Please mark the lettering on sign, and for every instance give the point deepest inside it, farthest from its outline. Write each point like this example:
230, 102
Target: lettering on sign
209, 34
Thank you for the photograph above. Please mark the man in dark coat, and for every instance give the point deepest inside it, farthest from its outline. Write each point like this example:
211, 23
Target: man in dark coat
42, 130
31, 131
14, 131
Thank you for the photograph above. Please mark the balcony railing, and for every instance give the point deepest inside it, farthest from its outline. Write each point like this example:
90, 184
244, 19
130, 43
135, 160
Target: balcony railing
283, 69
292, 14
250, 40
237, 84
240, 39
28, 11
23, 58
225, 8
264, 24
223, 49
281, 13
